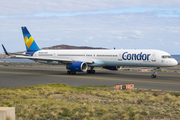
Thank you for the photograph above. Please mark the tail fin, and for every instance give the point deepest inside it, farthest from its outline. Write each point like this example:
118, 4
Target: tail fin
30, 43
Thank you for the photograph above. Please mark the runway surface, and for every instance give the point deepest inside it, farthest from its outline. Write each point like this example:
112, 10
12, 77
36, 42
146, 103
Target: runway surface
13, 76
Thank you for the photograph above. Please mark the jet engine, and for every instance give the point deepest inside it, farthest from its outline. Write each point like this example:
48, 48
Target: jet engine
77, 66
113, 67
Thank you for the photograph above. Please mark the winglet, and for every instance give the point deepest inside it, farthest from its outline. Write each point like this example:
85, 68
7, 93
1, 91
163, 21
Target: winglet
5, 50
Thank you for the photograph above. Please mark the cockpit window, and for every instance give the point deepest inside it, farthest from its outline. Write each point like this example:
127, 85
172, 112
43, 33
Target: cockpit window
166, 56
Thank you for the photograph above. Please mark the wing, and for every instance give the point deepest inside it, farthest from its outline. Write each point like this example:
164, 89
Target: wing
61, 60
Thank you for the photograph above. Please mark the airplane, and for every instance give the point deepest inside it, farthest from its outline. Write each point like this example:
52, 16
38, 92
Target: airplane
86, 60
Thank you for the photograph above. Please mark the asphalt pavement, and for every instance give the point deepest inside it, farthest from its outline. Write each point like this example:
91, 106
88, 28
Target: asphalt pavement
18, 76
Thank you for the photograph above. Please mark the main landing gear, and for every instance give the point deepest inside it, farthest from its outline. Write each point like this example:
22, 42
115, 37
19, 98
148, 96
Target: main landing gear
71, 72
154, 73
91, 70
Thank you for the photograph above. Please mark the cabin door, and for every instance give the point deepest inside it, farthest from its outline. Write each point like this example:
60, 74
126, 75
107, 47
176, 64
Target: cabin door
119, 57
153, 58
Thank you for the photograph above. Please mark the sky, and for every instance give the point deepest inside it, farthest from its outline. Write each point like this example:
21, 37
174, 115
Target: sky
123, 24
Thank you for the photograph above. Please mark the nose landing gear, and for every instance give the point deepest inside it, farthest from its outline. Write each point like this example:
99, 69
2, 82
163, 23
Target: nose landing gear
154, 73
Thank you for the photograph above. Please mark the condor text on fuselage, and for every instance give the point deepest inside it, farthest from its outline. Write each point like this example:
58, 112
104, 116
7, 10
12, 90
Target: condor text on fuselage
140, 56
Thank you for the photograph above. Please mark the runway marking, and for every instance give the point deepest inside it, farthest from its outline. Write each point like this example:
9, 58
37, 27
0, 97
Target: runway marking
36, 67
123, 72
144, 73
152, 72
23, 73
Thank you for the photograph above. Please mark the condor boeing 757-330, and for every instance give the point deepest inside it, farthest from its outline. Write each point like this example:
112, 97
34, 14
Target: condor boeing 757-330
86, 60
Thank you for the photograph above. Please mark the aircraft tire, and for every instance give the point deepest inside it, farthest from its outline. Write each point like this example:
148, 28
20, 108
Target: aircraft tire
91, 71
74, 72
153, 76
71, 72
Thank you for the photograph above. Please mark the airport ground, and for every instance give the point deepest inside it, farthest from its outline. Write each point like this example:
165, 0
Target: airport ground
58, 101
18, 76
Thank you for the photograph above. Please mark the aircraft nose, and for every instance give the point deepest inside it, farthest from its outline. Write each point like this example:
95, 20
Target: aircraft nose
175, 62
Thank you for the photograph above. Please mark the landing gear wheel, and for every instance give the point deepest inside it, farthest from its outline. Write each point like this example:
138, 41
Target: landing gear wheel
74, 72
154, 72
68, 72
71, 72
153, 76
91, 71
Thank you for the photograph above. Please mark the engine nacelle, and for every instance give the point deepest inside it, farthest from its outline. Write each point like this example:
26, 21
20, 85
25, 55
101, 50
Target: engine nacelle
77, 66
113, 67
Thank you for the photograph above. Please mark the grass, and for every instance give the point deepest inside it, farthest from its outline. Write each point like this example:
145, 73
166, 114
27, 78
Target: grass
59, 101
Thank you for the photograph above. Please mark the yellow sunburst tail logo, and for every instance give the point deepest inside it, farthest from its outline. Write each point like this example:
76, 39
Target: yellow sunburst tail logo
31, 45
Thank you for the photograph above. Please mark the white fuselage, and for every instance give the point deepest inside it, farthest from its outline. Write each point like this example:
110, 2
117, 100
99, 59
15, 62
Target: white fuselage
124, 57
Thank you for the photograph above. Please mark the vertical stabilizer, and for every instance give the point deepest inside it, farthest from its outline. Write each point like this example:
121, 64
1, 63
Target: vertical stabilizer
30, 43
